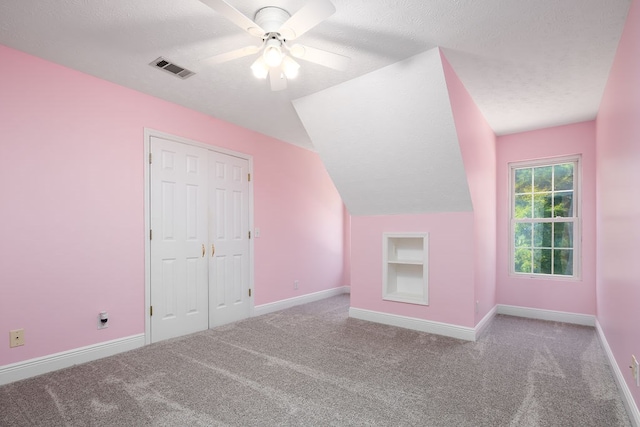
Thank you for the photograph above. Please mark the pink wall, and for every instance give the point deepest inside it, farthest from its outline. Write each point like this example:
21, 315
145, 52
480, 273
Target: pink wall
450, 265
618, 162
560, 295
300, 216
71, 212
346, 278
478, 146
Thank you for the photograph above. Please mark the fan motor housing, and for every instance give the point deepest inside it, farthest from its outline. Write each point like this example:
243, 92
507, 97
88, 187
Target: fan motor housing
271, 18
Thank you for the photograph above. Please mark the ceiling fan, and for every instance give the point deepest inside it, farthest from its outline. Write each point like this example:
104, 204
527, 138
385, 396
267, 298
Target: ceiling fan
276, 28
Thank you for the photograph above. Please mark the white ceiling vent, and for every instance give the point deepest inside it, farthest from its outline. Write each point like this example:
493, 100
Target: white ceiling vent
172, 68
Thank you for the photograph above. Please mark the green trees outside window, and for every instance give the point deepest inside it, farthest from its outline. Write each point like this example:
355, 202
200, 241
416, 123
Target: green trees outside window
544, 219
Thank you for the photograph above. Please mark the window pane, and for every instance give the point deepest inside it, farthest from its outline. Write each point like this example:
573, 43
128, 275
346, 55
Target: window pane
563, 204
542, 205
522, 208
563, 235
542, 235
523, 181
542, 179
522, 260
544, 215
542, 261
563, 177
563, 262
523, 235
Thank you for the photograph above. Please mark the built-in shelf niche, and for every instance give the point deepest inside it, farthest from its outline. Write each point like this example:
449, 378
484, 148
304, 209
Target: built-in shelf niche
405, 267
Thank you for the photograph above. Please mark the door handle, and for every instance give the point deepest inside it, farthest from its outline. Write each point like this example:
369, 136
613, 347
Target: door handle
203, 250
213, 249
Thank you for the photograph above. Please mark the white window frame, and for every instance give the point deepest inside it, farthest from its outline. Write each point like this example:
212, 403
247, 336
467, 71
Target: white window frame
577, 216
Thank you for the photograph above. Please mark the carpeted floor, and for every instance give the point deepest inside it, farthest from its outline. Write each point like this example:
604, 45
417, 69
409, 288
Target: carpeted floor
313, 366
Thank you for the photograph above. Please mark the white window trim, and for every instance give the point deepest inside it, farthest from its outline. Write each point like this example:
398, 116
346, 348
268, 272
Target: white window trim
577, 203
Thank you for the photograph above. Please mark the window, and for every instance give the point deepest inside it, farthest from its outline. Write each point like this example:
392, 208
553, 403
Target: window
544, 218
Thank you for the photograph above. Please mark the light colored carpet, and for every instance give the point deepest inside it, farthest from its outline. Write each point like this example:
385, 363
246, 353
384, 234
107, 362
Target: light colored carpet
313, 366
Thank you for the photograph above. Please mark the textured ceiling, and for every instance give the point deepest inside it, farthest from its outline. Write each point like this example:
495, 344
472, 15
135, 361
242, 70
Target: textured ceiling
527, 64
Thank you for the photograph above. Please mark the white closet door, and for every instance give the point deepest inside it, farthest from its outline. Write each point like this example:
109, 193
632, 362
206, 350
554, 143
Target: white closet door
228, 234
179, 246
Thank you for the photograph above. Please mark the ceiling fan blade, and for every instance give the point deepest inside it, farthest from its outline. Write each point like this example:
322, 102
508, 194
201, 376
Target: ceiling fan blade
234, 54
277, 79
320, 57
311, 14
235, 16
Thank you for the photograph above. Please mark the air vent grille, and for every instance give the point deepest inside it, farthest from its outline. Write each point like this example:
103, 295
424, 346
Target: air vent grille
169, 67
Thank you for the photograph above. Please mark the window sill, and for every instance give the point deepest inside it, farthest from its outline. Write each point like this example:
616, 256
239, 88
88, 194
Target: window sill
546, 277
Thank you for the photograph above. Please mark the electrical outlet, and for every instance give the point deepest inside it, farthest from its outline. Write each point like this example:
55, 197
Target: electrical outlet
16, 338
635, 370
295, 284
103, 320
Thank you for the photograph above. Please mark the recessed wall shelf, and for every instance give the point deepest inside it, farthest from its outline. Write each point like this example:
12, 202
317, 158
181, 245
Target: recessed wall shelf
405, 267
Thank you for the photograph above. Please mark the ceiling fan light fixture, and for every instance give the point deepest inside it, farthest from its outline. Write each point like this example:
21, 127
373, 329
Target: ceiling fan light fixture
276, 29
290, 67
273, 52
260, 68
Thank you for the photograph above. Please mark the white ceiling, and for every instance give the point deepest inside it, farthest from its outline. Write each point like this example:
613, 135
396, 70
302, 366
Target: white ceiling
527, 64
391, 160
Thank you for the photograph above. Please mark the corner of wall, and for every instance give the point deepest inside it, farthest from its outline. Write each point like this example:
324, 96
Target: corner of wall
478, 147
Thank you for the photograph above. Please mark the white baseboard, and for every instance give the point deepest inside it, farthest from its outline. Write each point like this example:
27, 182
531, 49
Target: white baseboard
482, 324
42, 365
446, 329
556, 316
627, 398
271, 307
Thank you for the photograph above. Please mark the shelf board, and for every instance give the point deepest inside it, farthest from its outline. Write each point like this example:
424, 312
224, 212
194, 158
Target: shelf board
406, 261
406, 297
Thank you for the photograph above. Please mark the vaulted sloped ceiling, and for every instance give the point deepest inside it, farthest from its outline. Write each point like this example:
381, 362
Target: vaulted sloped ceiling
389, 141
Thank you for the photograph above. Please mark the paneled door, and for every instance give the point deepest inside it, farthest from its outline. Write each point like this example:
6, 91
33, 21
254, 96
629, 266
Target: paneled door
179, 241
229, 239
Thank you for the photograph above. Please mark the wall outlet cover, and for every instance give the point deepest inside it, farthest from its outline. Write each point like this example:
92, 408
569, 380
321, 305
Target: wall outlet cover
103, 323
16, 338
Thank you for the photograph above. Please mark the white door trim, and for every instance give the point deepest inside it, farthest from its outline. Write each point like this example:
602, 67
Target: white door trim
148, 133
